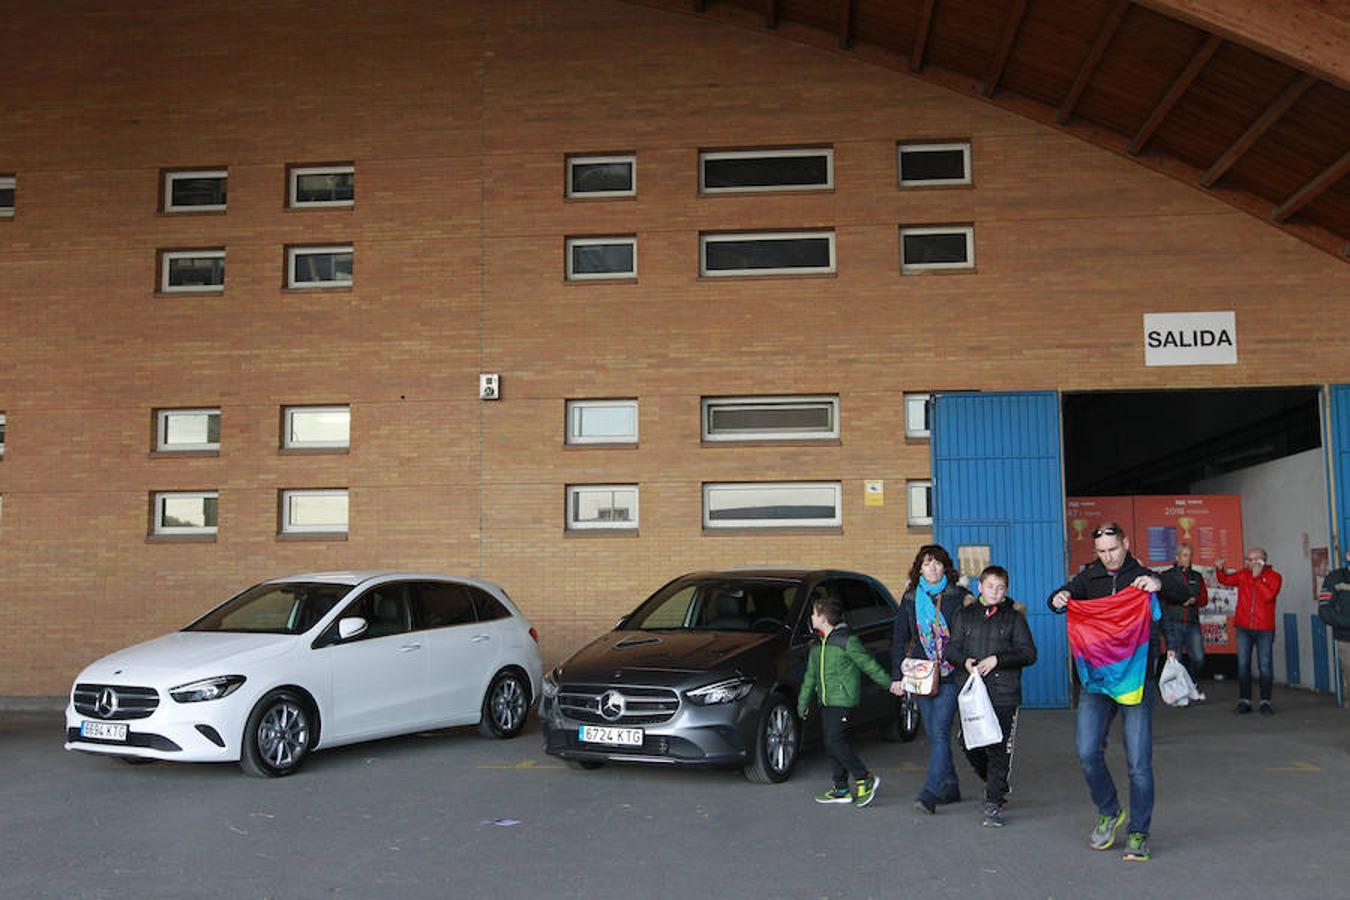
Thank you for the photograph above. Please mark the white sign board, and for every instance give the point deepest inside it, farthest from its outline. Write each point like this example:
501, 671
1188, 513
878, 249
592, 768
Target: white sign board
1190, 339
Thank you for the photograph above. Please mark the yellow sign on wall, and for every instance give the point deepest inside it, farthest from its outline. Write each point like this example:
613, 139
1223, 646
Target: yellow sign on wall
874, 493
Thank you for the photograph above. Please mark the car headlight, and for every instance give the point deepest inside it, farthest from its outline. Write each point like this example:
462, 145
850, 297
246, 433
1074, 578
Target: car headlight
207, 689
728, 691
551, 680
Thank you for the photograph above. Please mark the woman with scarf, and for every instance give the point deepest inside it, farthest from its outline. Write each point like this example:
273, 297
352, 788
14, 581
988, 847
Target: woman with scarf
927, 609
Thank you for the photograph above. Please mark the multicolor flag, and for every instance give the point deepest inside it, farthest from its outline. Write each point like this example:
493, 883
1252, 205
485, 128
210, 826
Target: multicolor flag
1109, 640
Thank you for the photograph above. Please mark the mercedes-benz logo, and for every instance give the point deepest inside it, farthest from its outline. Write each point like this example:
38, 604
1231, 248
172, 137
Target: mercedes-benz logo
106, 704
612, 705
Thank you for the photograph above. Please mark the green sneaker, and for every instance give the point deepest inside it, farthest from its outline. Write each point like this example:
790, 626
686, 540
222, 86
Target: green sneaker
835, 795
865, 790
1136, 847
1104, 835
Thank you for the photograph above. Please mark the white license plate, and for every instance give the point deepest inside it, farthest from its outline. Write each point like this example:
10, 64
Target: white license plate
603, 734
104, 731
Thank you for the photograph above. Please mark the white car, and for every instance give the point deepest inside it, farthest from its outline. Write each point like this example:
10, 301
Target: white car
296, 664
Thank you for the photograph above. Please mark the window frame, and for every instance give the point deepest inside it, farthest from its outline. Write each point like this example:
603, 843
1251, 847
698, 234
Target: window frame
3, 423
9, 182
288, 413
834, 522
592, 241
295, 251
158, 529
288, 494
573, 438
708, 404
775, 153
162, 416
922, 398
926, 519
293, 173
925, 146
572, 525
599, 159
167, 256
917, 268
172, 175
707, 237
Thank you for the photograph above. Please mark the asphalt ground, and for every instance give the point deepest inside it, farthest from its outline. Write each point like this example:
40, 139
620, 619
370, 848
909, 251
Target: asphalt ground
1247, 807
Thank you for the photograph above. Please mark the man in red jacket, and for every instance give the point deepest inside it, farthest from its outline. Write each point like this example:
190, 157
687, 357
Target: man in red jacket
1258, 585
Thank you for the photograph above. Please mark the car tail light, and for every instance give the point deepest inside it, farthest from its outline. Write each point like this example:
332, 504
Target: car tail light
534, 634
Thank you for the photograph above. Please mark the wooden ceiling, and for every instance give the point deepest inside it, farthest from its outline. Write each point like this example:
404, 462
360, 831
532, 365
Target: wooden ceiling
1244, 99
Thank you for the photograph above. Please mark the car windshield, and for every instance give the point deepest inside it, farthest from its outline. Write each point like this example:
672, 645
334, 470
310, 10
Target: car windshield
285, 608
740, 604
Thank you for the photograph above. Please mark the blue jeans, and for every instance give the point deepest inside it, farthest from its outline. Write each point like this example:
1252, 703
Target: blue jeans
937, 712
1095, 712
1265, 658
1187, 636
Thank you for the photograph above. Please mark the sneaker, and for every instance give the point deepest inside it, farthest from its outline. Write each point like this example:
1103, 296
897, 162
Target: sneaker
1104, 835
1243, 708
993, 816
1266, 708
925, 803
1136, 848
865, 790
835, 795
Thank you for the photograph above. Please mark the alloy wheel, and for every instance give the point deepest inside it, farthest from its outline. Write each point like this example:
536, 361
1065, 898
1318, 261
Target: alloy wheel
283, 735
780, 738
508, 704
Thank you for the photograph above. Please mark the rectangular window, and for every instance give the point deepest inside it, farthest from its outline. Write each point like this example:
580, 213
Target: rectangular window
923, 165
937, 248
319, 267
596, 258
602, 176
602, 421
192, 271
187, 430
316, 427
196, 191
8, 187
2, 435
321, 186
602, 506
767, 253
762, 505
917, 424
728, 171
770, 418
185, 512
920, 496
314, 511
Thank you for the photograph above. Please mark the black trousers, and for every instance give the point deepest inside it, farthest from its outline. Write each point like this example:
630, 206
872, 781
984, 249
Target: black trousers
994, 763
844, 763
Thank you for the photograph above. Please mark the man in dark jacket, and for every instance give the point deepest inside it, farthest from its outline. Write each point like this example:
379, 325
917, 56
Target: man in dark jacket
991, 636
1113, 571
1333, 605
1183, 595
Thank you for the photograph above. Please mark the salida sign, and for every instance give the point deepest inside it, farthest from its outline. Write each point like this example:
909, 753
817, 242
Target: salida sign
1190, 339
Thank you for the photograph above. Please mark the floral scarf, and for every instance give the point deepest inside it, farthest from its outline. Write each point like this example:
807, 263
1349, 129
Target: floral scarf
932, 625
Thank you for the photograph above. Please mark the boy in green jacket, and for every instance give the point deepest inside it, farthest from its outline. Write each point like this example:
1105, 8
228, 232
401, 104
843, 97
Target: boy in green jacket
833, 671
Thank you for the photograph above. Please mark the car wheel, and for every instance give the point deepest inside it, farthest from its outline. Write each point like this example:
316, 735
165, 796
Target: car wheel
277, 736
586, 764
904, 726
777, 741
505, 706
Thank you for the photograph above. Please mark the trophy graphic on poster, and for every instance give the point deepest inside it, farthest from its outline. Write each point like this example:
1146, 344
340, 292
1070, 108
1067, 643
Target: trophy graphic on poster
1079, 525
1186, 522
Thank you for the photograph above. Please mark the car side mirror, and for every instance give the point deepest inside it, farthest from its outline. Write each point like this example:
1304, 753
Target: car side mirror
351, 627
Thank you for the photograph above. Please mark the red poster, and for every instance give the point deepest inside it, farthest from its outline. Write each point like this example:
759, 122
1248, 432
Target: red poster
1084, 514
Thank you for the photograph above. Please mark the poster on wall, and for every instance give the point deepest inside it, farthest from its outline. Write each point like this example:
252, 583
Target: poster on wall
1083, 514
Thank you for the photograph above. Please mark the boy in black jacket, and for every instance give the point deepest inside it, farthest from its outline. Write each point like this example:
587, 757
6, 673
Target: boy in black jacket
991, 636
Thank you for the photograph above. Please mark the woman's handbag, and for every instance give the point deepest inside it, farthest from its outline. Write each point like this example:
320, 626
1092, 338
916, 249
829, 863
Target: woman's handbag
919, 676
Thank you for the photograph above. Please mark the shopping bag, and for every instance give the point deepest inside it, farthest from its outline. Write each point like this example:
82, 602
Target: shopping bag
979, 723
1175, 684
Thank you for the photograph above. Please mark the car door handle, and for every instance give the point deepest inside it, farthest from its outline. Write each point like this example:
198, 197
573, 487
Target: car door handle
407, 648
479, 638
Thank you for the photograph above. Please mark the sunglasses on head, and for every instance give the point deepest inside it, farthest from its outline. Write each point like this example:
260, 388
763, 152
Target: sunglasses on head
1099, 532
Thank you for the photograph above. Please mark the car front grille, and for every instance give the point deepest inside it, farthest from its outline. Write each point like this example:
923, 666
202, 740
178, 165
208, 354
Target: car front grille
128, 702
642, 705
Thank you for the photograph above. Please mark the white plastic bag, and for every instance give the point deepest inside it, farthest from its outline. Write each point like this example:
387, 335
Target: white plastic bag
1175, 685
979, 723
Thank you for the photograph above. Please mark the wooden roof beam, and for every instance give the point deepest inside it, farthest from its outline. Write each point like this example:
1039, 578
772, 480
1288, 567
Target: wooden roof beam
1011, 25
770, 13
845, 24
921, 35
1093, 59
1278, 107
1174, 93
1313, 189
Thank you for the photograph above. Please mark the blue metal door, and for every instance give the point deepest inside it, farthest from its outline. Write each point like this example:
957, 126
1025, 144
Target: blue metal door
997, 484
1338, 454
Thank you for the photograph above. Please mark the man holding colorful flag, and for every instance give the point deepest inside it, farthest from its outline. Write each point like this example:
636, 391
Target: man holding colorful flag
1112, 608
